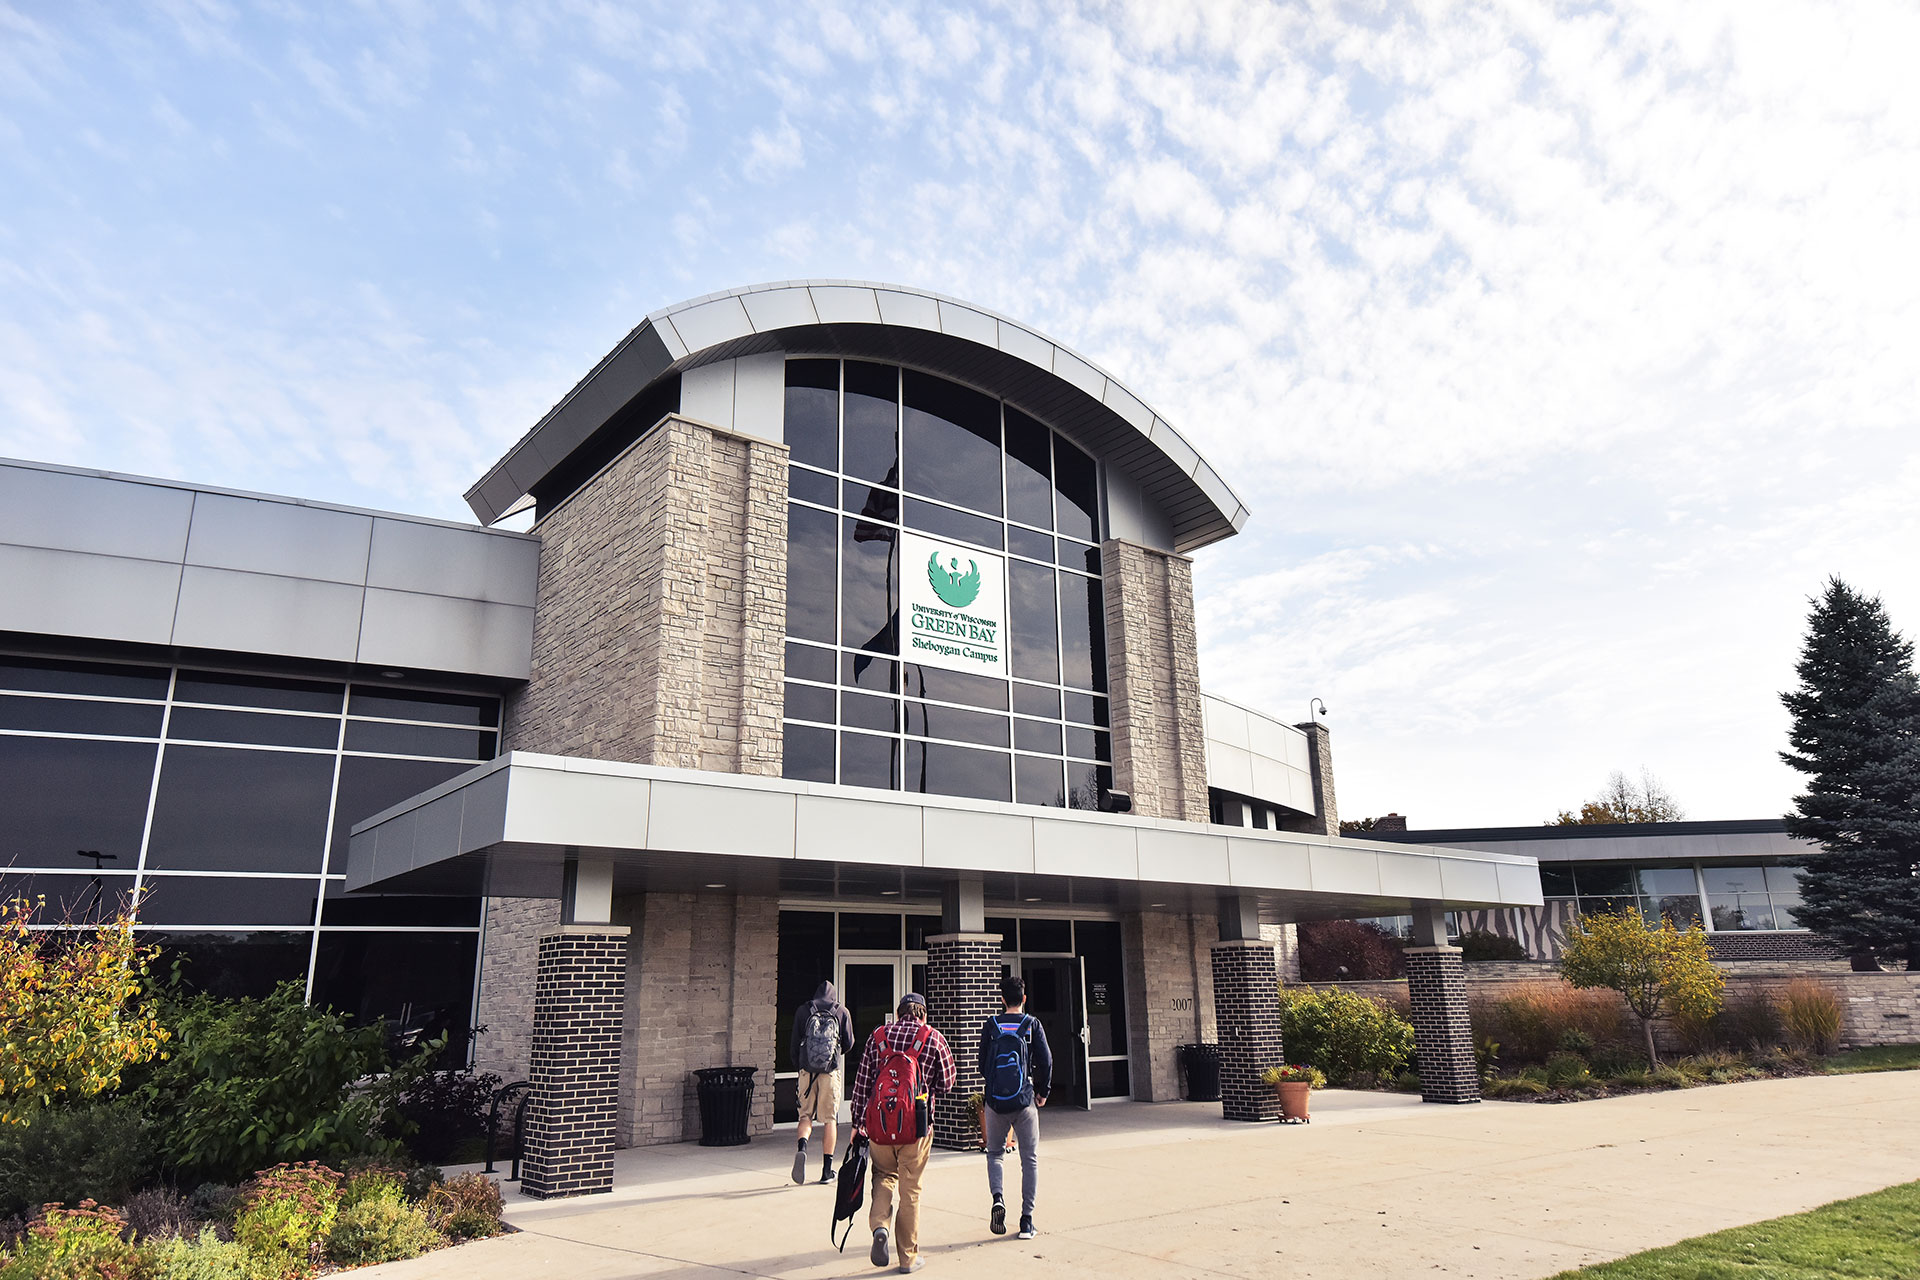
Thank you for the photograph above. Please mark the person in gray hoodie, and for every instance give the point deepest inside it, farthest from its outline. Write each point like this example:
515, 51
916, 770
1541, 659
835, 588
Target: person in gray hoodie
822, 1032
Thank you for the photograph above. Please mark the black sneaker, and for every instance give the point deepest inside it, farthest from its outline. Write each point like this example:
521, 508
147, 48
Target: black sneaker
826, 1174
999, 1219
800, 1165
1026, 1227
879, 1254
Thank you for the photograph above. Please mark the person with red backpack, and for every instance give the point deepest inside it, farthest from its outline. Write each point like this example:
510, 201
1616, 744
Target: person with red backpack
905, 1066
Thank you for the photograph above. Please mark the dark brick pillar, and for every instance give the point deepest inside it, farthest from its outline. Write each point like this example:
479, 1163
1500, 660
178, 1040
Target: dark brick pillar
1437, 988
1246, 1014
579, 994
963, 991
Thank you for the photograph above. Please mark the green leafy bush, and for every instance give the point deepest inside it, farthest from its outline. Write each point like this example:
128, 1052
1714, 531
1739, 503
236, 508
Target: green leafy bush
1810, 1015
1343, 1034
1611, 1064
87, 1243
1482, 945
207, 1257
98, 1149
379, 1230
447, 1109
1577, 1040
285, 1211
1567, 1071
468, 1207
367, 1185
1669, 1078
249, 1082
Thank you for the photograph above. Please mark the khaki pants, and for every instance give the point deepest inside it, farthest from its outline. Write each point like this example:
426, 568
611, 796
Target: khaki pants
904, 1165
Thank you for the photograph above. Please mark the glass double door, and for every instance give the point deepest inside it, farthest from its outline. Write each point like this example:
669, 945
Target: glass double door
871, 988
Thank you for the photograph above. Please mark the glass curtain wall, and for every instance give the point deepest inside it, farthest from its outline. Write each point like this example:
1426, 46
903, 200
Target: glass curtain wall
1736, 898
876, 449
225, 798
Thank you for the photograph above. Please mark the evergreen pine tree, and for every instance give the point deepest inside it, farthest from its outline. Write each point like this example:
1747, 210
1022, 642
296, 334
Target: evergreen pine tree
1856, 734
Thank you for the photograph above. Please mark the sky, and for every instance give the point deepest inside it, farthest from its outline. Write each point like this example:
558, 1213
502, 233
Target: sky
1560, 353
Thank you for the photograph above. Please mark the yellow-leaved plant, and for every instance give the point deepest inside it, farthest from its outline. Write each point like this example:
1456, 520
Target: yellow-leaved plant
74, 1009
1658, 972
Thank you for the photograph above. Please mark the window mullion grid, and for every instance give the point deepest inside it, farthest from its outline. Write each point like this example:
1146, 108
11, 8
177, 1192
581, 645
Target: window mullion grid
326, 845
153, 790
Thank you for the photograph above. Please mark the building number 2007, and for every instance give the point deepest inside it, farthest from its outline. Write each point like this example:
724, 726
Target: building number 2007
1182, 1003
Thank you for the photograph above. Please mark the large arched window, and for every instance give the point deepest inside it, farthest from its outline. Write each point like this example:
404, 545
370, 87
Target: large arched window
884, 459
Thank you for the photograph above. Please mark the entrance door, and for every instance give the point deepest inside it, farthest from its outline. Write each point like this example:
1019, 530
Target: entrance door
1053, 987
871, 990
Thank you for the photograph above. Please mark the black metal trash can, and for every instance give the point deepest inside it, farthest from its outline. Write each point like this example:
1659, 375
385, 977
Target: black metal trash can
1201, 1063
726, 1105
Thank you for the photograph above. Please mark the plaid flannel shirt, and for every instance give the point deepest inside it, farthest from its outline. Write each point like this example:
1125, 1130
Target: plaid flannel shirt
936, 1071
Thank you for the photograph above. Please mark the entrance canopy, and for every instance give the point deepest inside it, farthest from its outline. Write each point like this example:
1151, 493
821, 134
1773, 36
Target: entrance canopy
507, 828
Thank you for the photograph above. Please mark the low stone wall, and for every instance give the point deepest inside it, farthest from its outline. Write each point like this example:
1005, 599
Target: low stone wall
1878, 1008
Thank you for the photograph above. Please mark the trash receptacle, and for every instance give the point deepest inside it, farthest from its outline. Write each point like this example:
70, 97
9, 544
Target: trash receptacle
1201, 1063
726, 1105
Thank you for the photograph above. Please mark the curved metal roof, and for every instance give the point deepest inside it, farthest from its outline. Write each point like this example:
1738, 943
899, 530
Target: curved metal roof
908, 326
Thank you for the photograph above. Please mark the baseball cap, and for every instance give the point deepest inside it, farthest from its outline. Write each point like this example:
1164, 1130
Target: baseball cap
909, 1000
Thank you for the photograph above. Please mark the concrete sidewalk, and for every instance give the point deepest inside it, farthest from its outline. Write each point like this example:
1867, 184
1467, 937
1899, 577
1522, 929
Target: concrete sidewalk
1377, 1186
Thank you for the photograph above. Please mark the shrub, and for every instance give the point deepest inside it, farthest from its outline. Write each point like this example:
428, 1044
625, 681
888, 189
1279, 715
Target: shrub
207, 1257
1576, 1040
1344, 1034
1613, 1064
1349, 951
1529, 1020
1481, 945
1658, 972
98, 1149
1669, 1078
1567, 1071
1810, 1015
215, 1201
467, 1208
1407, 1082
283, 1212
87, 1243
447, 1109
1632, 1080
159, 1213
1717, 1068
370, 1184
1515, 1087
379, 1230
1750, 1021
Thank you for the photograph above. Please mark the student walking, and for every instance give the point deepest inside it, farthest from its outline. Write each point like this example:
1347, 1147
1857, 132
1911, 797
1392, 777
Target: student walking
822, 1031
905, 1066
1018, 1068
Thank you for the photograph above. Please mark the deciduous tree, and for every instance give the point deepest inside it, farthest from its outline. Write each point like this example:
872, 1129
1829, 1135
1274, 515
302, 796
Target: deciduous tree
1658, 972
1624, 800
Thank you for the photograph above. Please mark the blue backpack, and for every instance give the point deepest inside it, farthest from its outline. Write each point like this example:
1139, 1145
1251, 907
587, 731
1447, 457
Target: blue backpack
1009, 1078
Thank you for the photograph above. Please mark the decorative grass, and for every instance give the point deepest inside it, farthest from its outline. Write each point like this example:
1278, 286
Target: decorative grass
1891, 1057
1871, 1237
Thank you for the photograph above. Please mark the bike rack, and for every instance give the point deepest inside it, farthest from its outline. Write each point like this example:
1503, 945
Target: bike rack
525, 1089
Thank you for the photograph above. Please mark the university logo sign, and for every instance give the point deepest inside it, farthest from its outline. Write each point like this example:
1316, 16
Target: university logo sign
954, 606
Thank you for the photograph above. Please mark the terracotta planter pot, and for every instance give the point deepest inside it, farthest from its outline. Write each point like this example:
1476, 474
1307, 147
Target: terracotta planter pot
1294, 1098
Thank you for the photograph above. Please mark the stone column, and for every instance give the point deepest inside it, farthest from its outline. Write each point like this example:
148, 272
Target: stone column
1153, 668
1437, 992
1246, 1008
578, 994
963, 991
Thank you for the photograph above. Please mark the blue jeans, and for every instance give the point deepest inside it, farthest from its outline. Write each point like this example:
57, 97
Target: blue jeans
1026, 1131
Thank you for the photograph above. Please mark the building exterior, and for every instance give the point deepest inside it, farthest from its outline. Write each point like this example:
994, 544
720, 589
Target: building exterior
854, 639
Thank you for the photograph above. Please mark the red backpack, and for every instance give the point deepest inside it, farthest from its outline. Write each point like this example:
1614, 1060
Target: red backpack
896, 1114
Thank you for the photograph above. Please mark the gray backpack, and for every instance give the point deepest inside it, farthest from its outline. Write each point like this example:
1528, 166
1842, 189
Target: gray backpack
820, 1051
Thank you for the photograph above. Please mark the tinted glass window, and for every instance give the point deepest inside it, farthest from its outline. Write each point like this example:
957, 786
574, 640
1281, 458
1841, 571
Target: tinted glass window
861, 931
813, 413
233, 966
1085, 782
368, 786
226, 809
928, 721
956, 686
1034, 701
1604, 878
864, 712
412, 704
1089, 744
1077, 555
811, 486
952, 442
62, 794
813, 575
422, 983
1029, 471
1084, 708
809, 702
342, 908
419, 740
945, 522
873, 504
1009, 930
934, 768
1077, 511
873, 422
1038, 782
70, 899
919, 929
101, 679
203, 724
228, 900
1658, 882
228, 690
805, 961
1556, 880
59, 715
1083, 633
804, 662
869, 761
871, 603
1719, 879
1027, 542
866, 671
1036, 647
807, 754
1046, 935
1036, 735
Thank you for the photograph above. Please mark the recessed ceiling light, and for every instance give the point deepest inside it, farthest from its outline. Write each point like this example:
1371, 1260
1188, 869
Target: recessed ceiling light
1032, 899
394, 675
1156, 904
889, 893
716, 886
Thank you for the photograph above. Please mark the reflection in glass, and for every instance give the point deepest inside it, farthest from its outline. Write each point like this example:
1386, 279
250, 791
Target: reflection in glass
1036, 649
228, 809
809, 702
225, 689
420, 983
956, 686
1077, 508
804, 662
1734, 879
1038, 781
869, 761
807, 753
1029, 472
234, 965
228, 900
419, 740
206, 725
870, 604
1083, 633
934, 768
952, 442
811, 486
872, 428
370, 784
59, 715
62, 794
71, 899
860, 711
812, 424
1608, 879
959, 526
872, 503
1084, 708
1660, 882
1681, 910
1036, 735
1086, 782
1025, 542
1556, 879
99, 679
478, 711
813, 590
1032, 700
865, 671
925, 720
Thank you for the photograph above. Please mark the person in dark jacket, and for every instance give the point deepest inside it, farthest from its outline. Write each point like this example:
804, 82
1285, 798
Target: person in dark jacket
1019, 1112
822, 1032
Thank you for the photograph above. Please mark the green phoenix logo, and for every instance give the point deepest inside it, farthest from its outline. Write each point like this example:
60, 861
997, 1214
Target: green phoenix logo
952, 586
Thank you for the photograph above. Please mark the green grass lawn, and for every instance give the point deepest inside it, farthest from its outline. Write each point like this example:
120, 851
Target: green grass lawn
1892, 1057
1874, 1237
